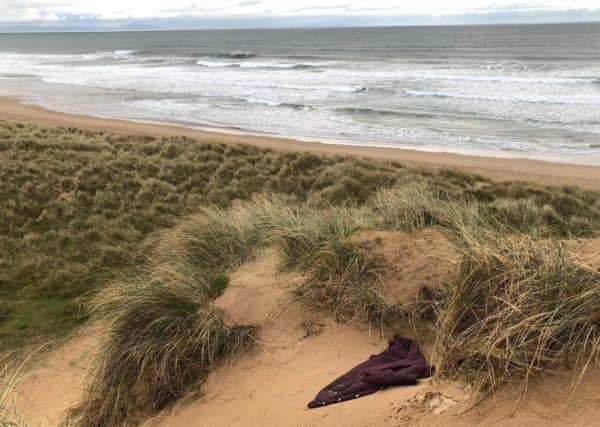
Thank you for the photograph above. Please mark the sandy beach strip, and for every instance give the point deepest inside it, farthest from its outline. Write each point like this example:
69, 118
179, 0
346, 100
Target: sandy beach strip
496, 168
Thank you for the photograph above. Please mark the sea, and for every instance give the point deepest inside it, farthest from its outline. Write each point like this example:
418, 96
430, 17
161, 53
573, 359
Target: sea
528, 91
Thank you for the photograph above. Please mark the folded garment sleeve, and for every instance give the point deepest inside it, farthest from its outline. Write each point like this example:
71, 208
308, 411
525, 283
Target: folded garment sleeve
388, 377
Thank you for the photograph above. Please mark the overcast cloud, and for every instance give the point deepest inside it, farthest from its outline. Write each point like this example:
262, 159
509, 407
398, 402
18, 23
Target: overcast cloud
176, 13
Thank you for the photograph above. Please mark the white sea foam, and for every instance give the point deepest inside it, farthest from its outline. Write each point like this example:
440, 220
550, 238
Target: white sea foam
215, 64
123, 54
92, 56
464, 98
256, 64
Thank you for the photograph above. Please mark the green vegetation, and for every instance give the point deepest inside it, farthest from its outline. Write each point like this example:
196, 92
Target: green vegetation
163, 340
77, 208
517, 308
142, 234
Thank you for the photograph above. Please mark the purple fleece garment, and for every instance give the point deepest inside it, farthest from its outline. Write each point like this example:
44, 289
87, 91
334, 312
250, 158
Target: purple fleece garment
402, 363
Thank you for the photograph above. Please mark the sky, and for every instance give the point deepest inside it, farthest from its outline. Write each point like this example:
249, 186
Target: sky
164, 14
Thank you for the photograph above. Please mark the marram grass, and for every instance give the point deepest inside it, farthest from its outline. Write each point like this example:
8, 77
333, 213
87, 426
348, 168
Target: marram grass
518, 308
162, 343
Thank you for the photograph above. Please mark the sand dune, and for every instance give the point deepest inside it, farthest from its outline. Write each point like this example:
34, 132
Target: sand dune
300, 350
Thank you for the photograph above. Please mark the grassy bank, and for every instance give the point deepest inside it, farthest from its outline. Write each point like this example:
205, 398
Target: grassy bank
142, 233
77, 207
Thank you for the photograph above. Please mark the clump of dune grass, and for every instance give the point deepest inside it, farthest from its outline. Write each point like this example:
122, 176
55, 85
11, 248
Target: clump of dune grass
10, 377
418, 205
344, 281
164, 336
218, 239
207, 245
342, 277
556, 212
303, 233
517, 309
162, 343
409, 207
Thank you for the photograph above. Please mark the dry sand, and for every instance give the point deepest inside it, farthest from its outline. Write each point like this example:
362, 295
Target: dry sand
410, 261
300, 352
496, 168
551, 402
58, 382
586, 252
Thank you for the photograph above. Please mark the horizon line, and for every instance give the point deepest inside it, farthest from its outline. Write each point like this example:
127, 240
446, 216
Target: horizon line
296, 27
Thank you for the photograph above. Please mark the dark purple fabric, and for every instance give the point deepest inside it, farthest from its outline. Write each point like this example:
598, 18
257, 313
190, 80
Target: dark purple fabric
402, 363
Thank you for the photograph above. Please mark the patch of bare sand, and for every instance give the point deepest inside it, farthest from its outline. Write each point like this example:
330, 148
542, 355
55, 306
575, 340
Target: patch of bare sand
586, 252
411, 261
58, 380
300, 352
548, 402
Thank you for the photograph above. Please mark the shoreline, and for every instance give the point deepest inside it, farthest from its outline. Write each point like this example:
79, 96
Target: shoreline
498, 168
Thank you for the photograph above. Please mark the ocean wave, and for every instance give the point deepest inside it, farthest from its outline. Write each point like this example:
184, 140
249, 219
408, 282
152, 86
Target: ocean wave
466, 75
19, 76
574, 122
502, 79
505, 66
234, 55
269, 103
262, 65
381, 112
328, 88
92, 56
115, 54
123, 54
276, 65
215, 64
463, 96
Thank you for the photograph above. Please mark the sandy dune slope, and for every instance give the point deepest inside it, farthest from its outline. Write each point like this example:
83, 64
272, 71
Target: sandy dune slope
300, 350
299, 353
58, 382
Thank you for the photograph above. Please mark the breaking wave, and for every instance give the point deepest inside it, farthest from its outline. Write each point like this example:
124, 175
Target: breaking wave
380, 112
264, 65
234, 55
268, 103
19, 76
